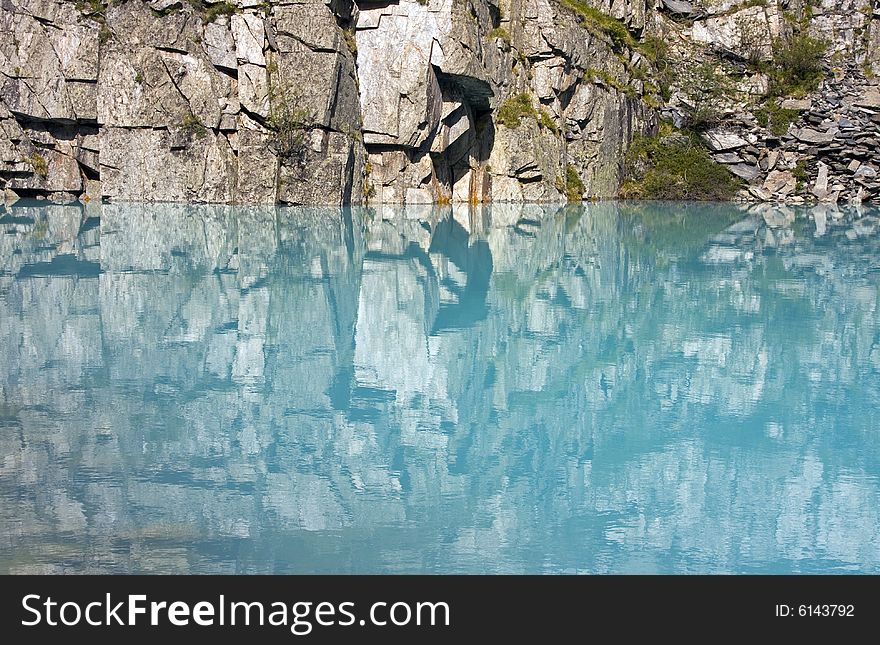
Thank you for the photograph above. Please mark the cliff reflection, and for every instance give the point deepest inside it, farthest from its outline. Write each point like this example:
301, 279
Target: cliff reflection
600, 388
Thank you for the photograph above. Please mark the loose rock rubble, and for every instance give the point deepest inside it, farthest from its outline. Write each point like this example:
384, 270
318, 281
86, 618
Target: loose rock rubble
830, 154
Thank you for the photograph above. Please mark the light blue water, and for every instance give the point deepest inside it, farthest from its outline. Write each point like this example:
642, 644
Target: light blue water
597, 389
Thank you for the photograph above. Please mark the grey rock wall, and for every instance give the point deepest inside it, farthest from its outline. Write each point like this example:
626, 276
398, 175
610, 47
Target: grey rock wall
164, 100
464, 60
392, 101
171, 100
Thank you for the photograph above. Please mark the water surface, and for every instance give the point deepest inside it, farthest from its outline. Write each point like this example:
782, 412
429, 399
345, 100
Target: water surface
610, 388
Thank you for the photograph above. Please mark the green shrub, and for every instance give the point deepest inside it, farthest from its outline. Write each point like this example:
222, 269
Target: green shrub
214, 11
708, 90
797, 65
655, 49
800, 174
600, 23
775, 118
752, 39
289, 122
675, 167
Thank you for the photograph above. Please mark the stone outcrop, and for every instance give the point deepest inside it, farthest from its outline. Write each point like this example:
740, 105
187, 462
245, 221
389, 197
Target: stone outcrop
306, 101
164, 100
435, 78
413, 101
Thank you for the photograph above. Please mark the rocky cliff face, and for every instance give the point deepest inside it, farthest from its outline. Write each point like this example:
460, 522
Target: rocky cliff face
164, 100
402, 101
493, 101
302, 101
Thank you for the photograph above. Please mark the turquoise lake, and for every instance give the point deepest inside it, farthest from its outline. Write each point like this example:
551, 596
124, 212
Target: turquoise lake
606, 388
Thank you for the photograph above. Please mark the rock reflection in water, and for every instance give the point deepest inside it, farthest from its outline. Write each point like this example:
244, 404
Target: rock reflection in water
597, 388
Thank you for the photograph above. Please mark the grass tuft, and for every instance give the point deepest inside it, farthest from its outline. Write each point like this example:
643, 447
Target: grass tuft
39, 164
514, 110
600, 23
775, 118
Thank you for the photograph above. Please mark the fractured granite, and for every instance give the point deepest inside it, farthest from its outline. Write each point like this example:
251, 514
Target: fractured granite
157, 101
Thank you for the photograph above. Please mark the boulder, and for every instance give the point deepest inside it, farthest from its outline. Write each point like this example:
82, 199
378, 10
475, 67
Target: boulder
745, 171
866, 171
820, 188
811, 136
780, 182
870, 98
796, 104
720, 141
683, 8
727, 157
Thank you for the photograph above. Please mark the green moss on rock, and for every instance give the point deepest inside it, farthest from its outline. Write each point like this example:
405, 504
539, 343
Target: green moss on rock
518, 107
601, 23
574, 186
39, 164
546, 121
502, 33
514, 110
193, 126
